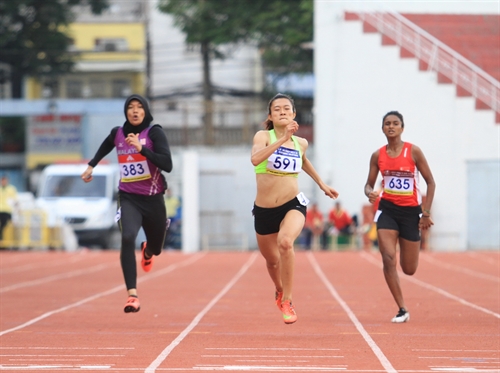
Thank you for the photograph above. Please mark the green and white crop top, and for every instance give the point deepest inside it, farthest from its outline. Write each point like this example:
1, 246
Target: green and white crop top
283, 162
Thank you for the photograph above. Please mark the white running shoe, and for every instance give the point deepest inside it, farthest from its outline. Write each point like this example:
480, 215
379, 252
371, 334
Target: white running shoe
402, 316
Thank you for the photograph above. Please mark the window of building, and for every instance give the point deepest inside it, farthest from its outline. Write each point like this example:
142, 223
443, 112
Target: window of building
110, 45
97, 88
50, 88
171, 105
120, 88
74, 89
72, 45
4, 81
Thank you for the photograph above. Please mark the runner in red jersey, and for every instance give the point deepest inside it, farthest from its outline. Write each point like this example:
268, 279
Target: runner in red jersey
400, 215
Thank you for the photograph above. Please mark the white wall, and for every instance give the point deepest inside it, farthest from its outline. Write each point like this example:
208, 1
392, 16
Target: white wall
358, 81
234, 161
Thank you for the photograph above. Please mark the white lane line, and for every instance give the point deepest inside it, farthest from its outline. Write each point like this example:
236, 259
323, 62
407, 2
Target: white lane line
368, 339
483, 258
168, 269
267, 368
9, 259
460, 269
465, 359
58, 367
45, 360
273, 348
434, 288
59, 276
460, 369
65, 348
288, 357
164, 354
71, 258
447, 350
58, 355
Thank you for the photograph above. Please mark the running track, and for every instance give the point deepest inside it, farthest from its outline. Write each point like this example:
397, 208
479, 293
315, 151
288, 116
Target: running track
214, 311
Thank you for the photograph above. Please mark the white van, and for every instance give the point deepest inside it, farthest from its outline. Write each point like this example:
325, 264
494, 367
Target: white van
89, 208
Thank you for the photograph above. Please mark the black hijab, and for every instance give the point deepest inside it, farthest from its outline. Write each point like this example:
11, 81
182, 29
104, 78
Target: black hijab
148, 118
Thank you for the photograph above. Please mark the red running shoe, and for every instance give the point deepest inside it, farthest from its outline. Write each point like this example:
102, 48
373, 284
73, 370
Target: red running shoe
132, 304
146, 264
278, 296
289, 315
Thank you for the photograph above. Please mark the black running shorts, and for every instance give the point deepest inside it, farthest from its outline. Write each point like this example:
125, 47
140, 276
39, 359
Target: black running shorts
403, 219
268, 220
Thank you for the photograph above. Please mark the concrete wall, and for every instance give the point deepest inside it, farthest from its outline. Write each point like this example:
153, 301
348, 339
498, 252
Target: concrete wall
358, 81
226, 185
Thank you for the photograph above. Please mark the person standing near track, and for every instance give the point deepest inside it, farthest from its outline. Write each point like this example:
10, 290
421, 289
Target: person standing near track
280, 209
8, 200
143, 152
400, 214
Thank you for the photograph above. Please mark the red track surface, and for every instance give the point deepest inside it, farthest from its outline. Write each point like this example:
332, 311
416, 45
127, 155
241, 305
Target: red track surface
215, 312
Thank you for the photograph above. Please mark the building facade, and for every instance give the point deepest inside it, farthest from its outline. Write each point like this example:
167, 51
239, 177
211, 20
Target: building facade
110, 52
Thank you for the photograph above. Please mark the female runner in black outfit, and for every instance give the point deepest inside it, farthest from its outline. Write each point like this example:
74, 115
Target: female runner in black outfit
143, 152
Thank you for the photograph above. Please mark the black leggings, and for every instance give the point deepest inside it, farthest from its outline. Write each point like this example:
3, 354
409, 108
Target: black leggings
138, 211
5, 217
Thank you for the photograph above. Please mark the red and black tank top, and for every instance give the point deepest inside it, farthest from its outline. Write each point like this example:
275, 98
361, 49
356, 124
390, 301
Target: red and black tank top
400, 177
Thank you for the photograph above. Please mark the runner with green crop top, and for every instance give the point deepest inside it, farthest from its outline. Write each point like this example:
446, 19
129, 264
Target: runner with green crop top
280, 208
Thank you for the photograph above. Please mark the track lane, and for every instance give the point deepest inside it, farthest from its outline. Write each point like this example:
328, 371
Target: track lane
101, 322
243, 330
437, 322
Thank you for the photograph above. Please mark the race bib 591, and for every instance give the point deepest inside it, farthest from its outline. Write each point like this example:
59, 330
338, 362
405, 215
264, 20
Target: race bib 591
284, 161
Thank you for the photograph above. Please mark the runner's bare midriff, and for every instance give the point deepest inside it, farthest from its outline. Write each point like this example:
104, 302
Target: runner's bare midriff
274, 191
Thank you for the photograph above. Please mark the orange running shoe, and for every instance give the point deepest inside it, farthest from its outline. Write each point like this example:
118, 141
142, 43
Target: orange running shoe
146, 264
278, 296
289, 315
132, 304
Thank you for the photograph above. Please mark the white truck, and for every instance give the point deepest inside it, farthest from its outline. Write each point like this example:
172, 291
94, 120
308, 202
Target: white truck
89, 208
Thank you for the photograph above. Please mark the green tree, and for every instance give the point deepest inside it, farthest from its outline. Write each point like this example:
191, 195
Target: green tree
278, 27
32, 40
12, 134
283, 31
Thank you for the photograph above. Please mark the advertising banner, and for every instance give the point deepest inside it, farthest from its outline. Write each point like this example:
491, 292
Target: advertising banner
51, 138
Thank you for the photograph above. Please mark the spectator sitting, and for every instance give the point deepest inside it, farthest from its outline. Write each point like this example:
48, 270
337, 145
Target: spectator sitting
8, 196
341, 221
313, 227
173, 206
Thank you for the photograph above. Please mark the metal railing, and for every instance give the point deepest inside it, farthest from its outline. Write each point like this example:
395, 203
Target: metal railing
437, 55
29, 230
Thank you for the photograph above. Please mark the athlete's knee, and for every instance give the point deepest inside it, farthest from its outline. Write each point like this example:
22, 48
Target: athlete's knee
128, 238
273, 263
409, 269
154, 249
409, 272
285, 243
388, 260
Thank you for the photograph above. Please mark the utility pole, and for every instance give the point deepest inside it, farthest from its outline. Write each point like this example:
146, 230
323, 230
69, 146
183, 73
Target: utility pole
208, 104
